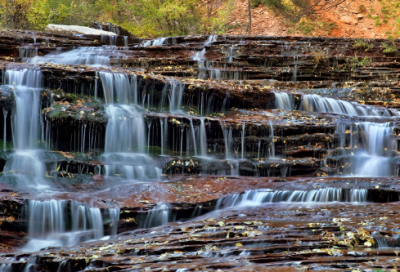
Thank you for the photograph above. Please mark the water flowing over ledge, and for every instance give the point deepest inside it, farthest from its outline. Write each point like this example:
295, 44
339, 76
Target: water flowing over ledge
205, 140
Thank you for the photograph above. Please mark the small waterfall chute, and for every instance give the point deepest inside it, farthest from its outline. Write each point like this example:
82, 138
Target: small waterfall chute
258, 197
284, 101
55, 223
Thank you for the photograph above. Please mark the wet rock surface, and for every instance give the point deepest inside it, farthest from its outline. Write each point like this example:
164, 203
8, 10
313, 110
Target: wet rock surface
214, 153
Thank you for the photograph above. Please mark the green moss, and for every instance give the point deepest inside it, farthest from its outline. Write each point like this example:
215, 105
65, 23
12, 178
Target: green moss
71, 97
9, 144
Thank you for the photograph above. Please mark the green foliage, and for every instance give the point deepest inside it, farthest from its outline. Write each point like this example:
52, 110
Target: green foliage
389, 48
144, 18
327, 26
71, 97
305, 27
218, 24
36, 14
164, 18
355, 62
13, 13
363, 44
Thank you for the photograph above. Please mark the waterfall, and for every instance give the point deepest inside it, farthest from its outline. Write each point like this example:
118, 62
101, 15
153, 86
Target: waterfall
6, 268
93, 56
158, 215
199, 55
155, 42
5, 113
295, 59
258, 197
284, 101
27, 52
125, 133
119, 88
55, 223
317, 103
24, 167
125, 130
113, 40
231, 54
200, 58
211, 39
125, 145
243, 139
271, 132
27, 112
380, 145
193, 135
227, 140
203, 138
174, 92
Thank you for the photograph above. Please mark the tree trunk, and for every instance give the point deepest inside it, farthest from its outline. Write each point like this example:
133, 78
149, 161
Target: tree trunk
249, 4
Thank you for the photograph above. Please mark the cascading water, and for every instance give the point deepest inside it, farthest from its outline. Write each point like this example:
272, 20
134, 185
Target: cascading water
158, 215
155, 42
200, 58
55, 223
125, 134
317, 103
284, 101
258, 197
119, 88
90, 56
211, 39
173, 93
24, 167
380, 147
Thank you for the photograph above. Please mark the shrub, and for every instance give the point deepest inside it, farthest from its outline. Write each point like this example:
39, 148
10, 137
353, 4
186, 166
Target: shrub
319, 55
363, 44
389, 48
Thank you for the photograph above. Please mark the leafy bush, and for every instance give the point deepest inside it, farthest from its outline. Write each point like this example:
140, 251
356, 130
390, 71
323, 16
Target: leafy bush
363, 44
389, 48
144, 18
355, 62
319, 55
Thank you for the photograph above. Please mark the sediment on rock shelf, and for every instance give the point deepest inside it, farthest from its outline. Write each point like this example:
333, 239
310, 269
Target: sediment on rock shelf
197, 152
